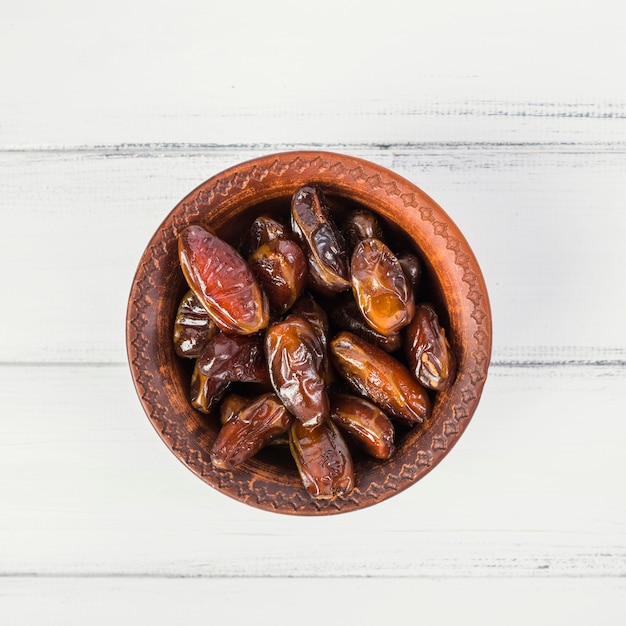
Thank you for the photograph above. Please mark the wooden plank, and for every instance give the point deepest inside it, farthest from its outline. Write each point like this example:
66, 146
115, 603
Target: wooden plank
67, 601
245, 72
546, 223
531, 489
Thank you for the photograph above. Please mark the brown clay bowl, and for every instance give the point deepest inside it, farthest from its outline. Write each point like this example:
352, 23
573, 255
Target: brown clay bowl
227, 203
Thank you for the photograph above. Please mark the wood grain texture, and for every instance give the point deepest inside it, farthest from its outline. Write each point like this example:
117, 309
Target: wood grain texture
531, 489
66, 601
545, 222
511, 115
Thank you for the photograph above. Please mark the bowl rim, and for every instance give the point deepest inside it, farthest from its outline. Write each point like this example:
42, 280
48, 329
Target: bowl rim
400, 202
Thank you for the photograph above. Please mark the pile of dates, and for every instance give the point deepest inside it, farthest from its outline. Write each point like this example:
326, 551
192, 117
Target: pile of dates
314, 340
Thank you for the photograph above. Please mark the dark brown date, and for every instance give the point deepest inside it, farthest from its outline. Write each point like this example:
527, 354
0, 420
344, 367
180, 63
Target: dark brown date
380, 287
365, 423
323, 459
428, 352
234, 358
361, 224
347, 316
281, 268
193, 327
206, 393
230, 406
412, 268
313, 313
222, 281
265, 229
320, 239
295, 358
249, 430
377, 375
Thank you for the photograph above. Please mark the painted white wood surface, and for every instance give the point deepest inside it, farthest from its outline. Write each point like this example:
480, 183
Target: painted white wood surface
511, 115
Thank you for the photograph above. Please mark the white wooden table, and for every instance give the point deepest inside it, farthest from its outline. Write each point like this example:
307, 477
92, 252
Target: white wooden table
512, 116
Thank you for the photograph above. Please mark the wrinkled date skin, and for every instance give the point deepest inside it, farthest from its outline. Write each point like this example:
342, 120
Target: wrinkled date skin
384, 380
365, 423
359, 225
323, 459
281, 268
313, 313
320, 239
231, 405
295, 358
265, 229
347, 316
427, 350
380, 287
249, 430
234, 358
205, 392
222, 282
193, 327
412, 268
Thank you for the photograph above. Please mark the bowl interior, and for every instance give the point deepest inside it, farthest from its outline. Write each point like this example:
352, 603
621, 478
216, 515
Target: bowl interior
228, 203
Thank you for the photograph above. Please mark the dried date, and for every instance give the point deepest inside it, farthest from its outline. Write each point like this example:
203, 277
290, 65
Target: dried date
249, 430
428, 352
281, 268
380, 287
347, 316
295, 358
323, 459
365, 423
265, 229
206, 392
377, 375
361, 224
222, 281
234, 358
320, 239
193, 327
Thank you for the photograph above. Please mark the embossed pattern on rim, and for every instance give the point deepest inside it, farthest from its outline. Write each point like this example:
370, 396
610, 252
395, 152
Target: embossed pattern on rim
152, 304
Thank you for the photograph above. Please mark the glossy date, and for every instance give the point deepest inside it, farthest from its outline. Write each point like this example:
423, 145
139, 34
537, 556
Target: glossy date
251, 428
428, 352
323, 459
381, 378
365, 423
380, 287
295, 358
320, 239
222, 281
193, 327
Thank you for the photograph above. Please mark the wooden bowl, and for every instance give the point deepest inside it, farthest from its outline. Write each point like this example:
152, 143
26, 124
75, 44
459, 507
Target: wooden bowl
227, 203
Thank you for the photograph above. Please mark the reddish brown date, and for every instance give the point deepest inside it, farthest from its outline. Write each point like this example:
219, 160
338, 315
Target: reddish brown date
365, 423
347, 316
222, 282
320, 239
205, 393
323, 459
193, 327
295, 358
249, 430
378, 376
380, 287
428, 352
234, 358
281, 268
